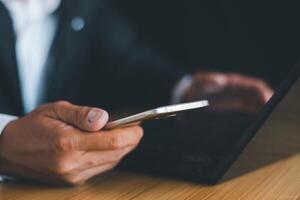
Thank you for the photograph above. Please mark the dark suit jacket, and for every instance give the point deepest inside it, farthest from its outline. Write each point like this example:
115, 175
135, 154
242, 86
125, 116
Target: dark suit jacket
102, 65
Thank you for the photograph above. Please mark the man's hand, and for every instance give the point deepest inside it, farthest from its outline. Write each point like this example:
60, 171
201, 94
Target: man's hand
229, 92
62, 143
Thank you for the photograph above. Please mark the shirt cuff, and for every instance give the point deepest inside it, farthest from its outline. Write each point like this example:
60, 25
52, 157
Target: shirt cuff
180, 89
4, 120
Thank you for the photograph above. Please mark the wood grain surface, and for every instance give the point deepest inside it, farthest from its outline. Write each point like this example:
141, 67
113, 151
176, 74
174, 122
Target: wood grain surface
269, 168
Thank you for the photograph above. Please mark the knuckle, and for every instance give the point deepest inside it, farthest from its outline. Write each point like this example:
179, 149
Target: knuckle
61, 103
62, 168
65, 143
139, 131
92, 163
57, 106
116, 141
73, 180
211, 76
137, 134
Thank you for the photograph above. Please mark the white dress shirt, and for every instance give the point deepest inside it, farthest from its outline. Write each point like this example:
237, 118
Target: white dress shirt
34, 27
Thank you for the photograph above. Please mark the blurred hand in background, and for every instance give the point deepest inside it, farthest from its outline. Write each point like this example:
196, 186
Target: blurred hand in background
231, 92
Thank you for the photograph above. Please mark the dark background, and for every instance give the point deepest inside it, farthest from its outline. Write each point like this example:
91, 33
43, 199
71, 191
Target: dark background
257, 37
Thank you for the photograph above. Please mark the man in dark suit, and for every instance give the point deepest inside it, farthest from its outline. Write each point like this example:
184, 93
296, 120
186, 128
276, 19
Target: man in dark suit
91, 58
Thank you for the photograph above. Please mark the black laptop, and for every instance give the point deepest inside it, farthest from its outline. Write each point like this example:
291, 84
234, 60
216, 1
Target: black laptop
200, 146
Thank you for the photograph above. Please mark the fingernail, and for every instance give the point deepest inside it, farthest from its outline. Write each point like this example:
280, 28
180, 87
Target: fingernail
94, 115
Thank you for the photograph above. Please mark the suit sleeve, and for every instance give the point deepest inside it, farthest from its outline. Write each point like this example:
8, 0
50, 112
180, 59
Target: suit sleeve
138, 73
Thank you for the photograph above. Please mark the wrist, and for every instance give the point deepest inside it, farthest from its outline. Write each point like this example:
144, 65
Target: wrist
5, 167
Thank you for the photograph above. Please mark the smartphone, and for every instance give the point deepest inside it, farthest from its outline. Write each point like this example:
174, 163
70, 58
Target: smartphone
157, 113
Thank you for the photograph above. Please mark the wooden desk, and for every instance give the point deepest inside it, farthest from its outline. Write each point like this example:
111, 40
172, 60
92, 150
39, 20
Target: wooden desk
269, 168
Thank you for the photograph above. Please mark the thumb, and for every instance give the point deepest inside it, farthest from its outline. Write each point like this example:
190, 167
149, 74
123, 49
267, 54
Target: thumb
84, 118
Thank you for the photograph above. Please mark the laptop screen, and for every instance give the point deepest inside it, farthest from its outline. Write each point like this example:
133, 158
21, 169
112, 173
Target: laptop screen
195, 144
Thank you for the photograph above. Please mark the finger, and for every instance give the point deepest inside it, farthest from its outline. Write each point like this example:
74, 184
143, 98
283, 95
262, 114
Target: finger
110, 140
254, 93
90, 173
204, 85
83, 176
235, 92
214, 77
85, 118
264, 91
251, 88
96, 158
